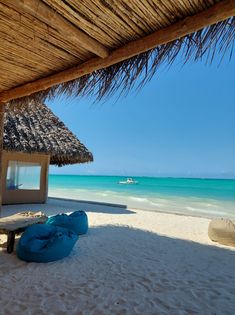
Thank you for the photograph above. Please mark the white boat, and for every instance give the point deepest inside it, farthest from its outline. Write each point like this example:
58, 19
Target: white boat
128, 181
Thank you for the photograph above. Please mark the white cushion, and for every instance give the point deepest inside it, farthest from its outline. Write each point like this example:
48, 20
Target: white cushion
222, 231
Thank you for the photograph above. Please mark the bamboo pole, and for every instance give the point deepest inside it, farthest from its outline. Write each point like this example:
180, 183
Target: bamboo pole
218, 12
2, 110
44, 13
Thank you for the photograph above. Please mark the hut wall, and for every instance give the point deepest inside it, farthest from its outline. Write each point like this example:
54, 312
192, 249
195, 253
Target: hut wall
24, 177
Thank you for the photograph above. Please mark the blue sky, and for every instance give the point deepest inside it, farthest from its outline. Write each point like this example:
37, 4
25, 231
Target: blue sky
182, 123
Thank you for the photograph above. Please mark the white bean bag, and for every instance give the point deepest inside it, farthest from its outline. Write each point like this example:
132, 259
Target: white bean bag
222, 231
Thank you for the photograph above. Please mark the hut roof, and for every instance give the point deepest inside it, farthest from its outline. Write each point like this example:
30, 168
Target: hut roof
35, 129
53, 46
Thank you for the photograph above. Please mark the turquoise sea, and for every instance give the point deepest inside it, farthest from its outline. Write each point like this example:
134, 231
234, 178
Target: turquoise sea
193, 196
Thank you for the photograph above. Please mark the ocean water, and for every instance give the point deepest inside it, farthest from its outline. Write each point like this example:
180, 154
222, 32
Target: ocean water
193, 196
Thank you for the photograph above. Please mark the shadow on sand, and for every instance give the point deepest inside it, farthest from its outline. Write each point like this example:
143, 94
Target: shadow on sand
120, 270
57, 205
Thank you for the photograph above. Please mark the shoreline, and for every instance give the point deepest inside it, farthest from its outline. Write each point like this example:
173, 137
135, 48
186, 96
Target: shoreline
108, 204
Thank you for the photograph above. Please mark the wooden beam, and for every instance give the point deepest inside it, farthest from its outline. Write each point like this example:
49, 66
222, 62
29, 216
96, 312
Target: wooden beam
44, 13
218, 12
2, 111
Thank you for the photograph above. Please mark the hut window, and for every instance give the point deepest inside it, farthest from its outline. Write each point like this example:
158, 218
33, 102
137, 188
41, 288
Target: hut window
23, 175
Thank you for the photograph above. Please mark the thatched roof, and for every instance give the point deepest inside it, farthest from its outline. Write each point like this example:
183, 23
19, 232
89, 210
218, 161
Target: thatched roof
49, 43
35, 129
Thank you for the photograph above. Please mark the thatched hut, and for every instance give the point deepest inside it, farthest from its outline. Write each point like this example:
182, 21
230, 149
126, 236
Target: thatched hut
34, 138
98, 47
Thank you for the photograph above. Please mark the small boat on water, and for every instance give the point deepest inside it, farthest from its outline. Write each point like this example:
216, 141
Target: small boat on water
128, 181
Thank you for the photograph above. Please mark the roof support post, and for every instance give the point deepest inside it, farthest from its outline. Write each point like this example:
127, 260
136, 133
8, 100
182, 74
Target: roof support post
2, 111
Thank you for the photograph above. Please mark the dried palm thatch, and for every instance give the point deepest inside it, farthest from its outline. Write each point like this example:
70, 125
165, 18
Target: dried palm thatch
112, 24
122, 77
36, 129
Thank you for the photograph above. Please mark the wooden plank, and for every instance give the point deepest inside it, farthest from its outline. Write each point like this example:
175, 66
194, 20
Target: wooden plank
20, 221
218, 12
72, 34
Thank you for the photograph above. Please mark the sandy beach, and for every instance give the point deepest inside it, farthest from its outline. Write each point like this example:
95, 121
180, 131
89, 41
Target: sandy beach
130, 262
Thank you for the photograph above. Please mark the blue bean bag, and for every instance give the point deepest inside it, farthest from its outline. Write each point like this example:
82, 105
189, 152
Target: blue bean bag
45, 243
76, 221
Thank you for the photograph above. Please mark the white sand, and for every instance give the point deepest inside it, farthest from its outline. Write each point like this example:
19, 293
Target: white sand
129, 263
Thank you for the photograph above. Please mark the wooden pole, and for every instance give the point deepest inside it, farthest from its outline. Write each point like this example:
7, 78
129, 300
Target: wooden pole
44, 13
2, 110
218, 12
